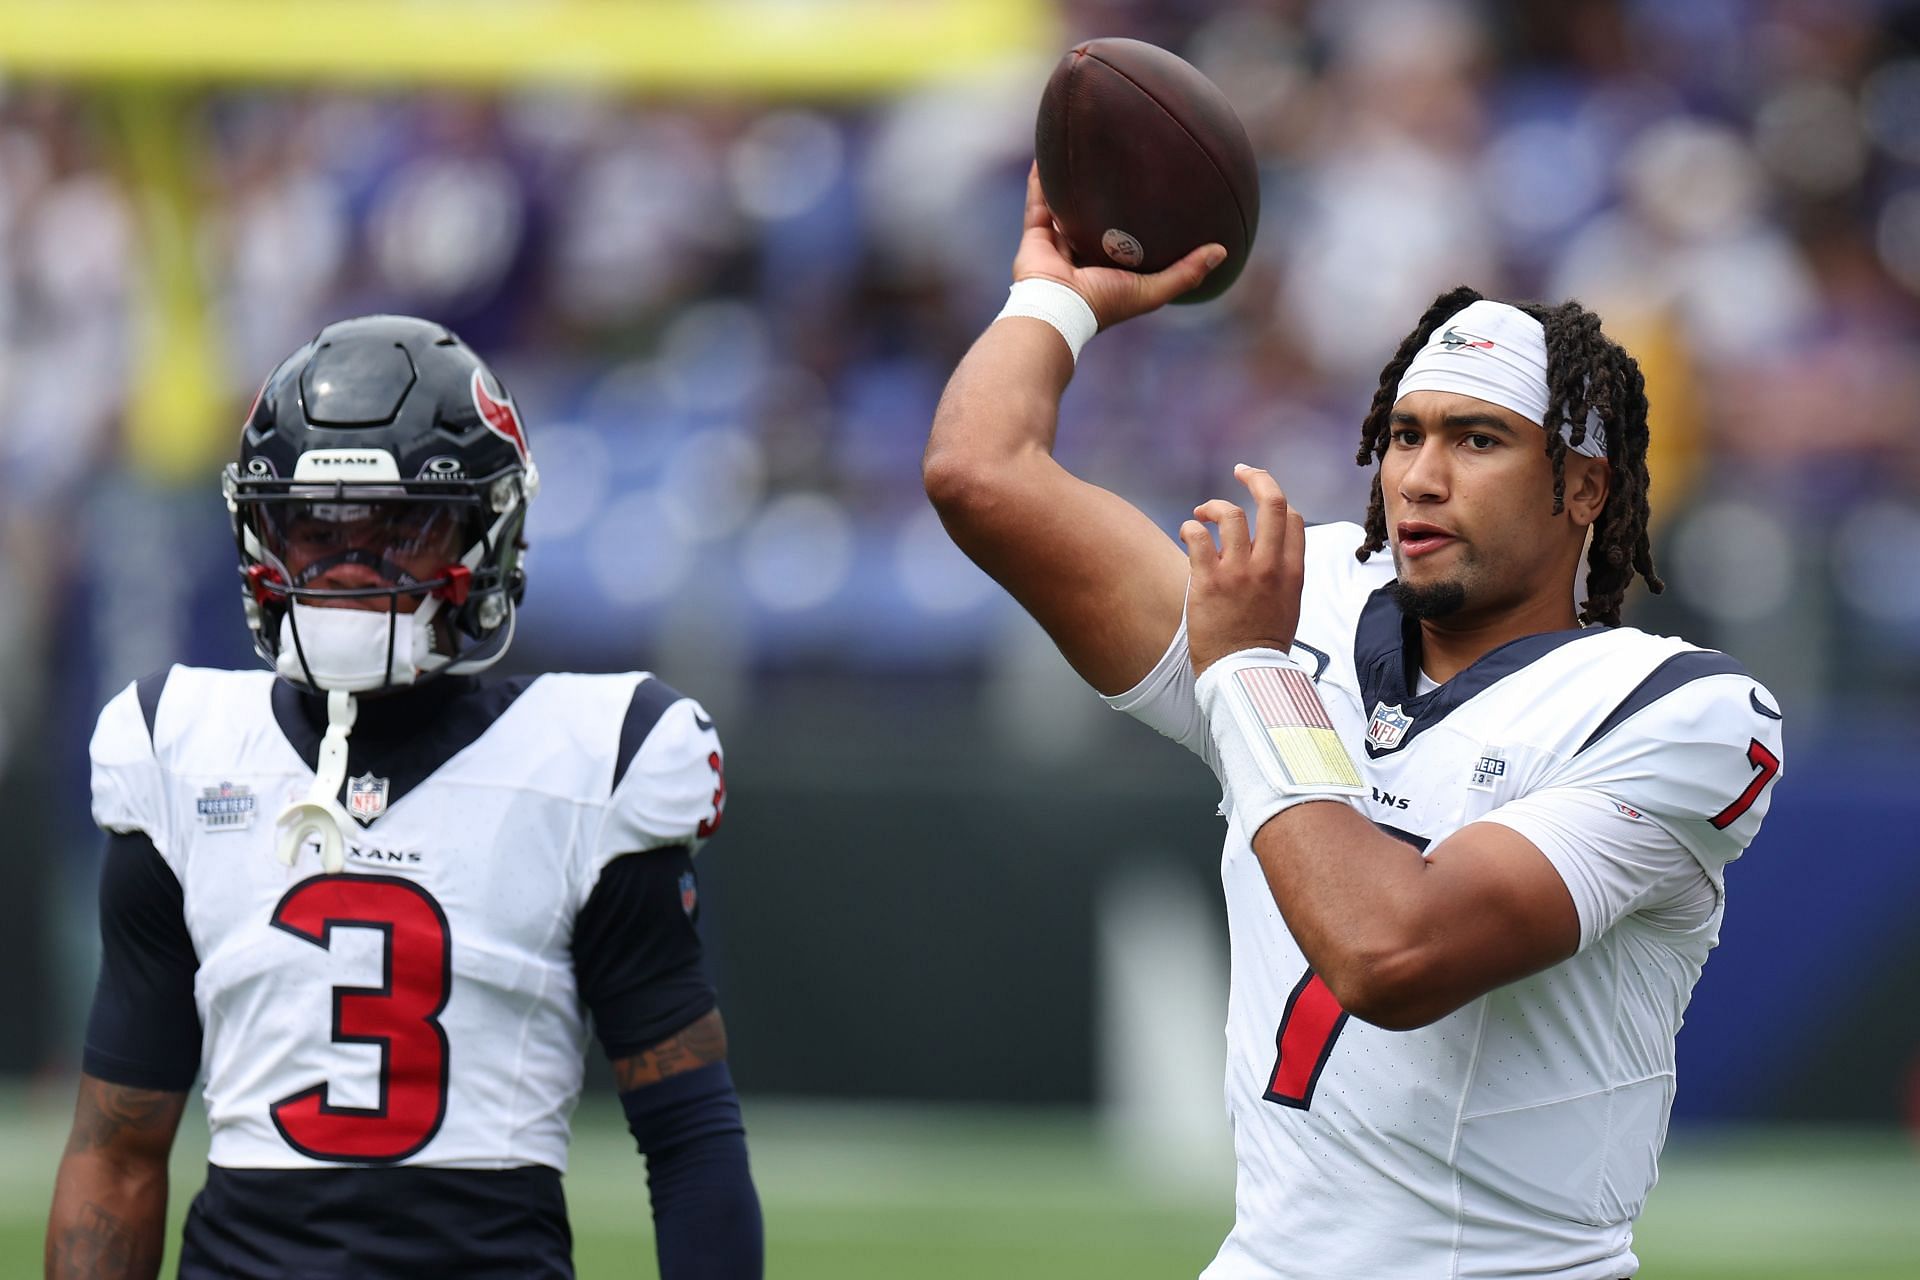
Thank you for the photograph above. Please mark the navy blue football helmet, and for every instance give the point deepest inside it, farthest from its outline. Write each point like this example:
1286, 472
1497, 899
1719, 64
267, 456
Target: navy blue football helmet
385, 444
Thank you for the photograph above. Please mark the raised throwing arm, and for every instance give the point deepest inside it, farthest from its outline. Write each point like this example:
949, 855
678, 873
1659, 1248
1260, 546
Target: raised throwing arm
1104, 582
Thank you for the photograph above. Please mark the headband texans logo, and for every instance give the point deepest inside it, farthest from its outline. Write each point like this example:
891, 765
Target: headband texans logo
1454, 338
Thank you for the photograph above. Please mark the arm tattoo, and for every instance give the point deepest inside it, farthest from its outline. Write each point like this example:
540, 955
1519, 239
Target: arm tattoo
110, 1196
700, 1042
96, 1247
110, 1115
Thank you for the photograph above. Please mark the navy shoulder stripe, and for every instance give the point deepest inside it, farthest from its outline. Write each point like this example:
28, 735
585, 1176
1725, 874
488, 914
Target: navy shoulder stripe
1681, 668
148, 691
651, 698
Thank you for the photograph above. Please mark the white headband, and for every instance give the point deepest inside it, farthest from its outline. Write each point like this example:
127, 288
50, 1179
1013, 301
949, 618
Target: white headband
1497, 353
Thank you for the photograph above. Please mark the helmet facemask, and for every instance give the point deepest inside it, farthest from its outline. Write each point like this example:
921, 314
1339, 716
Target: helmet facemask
366, 587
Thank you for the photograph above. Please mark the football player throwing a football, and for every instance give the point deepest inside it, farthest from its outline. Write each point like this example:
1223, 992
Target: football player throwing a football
376, 900
1476, 829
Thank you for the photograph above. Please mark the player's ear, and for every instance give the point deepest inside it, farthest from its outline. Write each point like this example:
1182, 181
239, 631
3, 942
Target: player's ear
1589, 480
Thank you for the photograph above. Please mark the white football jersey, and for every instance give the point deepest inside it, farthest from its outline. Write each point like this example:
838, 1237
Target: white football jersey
1519, 1135
420, 1007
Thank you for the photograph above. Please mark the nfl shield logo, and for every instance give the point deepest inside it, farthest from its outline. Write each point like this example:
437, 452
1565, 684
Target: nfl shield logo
1389, 726
366, 797
689, 894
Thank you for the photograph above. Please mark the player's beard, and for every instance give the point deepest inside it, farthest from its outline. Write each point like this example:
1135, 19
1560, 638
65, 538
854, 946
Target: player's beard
1435, 600
1428, 600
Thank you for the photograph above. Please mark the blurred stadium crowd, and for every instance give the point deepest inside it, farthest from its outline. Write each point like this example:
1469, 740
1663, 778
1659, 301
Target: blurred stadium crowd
727, 323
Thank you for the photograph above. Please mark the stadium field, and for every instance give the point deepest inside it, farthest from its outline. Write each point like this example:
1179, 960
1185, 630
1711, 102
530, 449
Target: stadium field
917, 1194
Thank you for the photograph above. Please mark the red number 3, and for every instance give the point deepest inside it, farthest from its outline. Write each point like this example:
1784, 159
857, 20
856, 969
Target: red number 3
708, 826
401, 1016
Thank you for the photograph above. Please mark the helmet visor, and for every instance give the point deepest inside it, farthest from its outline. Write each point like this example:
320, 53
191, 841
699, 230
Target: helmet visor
392, 542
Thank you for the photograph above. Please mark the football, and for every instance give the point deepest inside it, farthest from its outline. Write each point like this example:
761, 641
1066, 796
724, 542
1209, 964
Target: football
1142, 160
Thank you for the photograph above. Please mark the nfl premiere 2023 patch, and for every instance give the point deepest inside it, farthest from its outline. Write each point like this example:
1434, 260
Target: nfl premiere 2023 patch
226, 807
1279, 705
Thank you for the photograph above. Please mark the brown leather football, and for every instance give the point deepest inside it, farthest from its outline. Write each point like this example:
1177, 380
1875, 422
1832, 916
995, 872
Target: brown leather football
1142, 160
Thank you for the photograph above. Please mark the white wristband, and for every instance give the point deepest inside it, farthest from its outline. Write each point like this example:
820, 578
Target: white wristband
1058, 305
1276, 744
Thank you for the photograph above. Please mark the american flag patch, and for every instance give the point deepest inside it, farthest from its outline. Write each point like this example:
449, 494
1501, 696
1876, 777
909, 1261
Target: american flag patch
1288, 708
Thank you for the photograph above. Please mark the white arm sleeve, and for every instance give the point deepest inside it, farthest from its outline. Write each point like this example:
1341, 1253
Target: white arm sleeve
1164, 699
128, 792
1646, 819
1336, 587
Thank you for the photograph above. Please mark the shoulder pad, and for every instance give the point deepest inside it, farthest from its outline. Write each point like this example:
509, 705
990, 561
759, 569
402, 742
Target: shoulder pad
1696, 746
1681, 669
668, 776
128, 792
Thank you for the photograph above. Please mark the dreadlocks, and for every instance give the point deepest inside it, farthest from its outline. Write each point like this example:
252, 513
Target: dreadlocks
1586, 370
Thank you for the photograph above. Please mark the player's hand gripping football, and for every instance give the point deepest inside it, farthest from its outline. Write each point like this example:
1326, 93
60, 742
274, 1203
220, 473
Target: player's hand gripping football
1114, 295
1244, 594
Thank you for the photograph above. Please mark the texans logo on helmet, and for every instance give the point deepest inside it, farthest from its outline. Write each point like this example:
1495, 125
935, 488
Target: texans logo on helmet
500, 416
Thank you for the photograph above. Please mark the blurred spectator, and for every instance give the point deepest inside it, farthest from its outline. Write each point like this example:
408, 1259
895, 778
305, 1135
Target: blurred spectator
762, 300
729, 321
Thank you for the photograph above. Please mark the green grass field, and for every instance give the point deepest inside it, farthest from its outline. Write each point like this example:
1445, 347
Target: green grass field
859, 1193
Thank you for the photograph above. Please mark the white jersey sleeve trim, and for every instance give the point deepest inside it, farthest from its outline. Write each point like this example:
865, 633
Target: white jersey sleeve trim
1616, 862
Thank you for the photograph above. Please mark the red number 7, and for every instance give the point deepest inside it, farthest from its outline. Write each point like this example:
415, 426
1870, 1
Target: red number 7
1308, 1028
1766, 765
